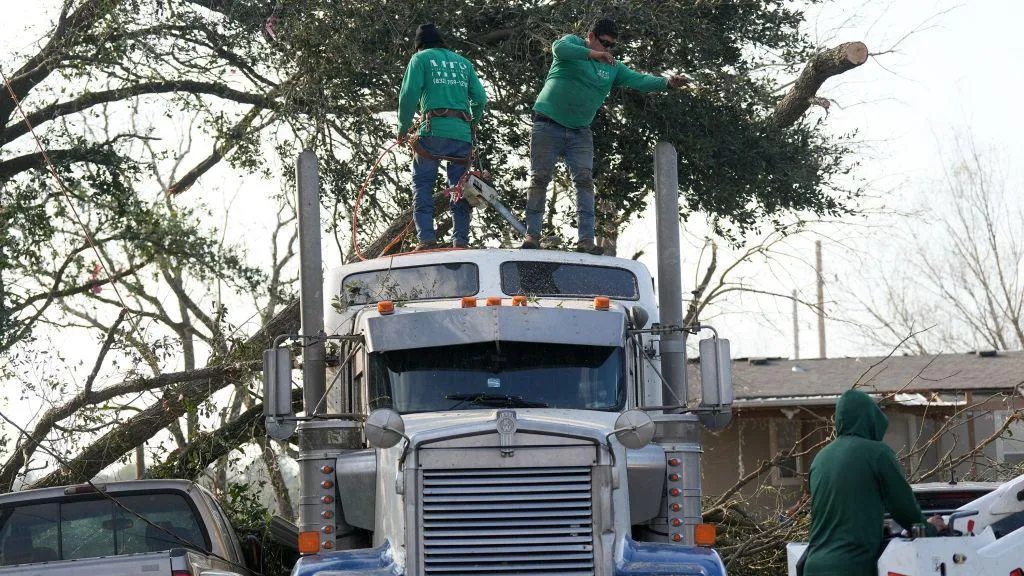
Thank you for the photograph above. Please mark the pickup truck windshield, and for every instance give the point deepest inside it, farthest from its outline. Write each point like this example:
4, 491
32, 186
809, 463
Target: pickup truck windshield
93, 527
498, 375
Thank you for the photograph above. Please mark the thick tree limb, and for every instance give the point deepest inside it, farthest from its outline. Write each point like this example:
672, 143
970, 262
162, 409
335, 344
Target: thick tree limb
89, 99
820, 67
44, 62
19, 164
175, 402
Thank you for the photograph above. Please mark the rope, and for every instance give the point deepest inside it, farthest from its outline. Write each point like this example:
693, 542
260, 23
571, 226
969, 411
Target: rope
411, 137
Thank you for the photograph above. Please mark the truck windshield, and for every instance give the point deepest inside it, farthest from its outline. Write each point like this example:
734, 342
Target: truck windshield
91, 527
497, 375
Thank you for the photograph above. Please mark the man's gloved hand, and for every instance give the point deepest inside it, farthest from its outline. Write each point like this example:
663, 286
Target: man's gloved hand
938, 523
402, 139
678, 81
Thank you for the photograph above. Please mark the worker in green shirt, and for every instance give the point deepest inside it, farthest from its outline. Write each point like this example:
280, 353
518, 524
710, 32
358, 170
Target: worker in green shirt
582, 75
853, 481
443, 86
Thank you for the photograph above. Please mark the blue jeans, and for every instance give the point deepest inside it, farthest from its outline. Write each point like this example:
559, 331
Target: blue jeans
548, 143
424, 174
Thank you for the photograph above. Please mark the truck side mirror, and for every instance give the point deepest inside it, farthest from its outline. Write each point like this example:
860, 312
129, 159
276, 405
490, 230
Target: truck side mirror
634, 429
277, 393
384, 428
715, 383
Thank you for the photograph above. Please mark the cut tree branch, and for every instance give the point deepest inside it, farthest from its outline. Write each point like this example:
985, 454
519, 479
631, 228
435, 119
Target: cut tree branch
820, 67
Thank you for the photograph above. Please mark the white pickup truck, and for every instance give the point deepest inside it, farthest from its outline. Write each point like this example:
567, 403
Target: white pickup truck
134, 528
985, 538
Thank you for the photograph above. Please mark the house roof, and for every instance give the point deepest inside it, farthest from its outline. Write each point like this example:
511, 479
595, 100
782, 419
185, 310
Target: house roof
783, 378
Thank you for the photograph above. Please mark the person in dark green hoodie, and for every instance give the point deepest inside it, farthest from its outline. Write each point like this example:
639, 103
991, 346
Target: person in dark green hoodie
854, 480
443, 86
583, 73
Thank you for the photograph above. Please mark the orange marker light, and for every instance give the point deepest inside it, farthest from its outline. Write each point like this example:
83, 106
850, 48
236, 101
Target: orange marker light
602, 303
327, 544
677, 522
469, 302
673, 477
673, 462
674, 507
385, 307
704, 535
309, 542
677, 538
674, 491
519, 300
327, 529
494, 300
327, 469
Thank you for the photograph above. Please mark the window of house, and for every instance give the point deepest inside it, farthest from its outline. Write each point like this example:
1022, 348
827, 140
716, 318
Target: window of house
784, 434
1010, 446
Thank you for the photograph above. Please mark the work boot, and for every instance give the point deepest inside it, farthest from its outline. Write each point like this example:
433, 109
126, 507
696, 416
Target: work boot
588, 246
530, 243
427, 245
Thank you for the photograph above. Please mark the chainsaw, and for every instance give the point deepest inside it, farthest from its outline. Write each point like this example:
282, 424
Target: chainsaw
480, 193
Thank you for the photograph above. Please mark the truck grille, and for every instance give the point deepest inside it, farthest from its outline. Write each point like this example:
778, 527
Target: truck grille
508, 521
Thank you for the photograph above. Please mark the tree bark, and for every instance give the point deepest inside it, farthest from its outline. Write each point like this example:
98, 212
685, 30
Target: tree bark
820, 67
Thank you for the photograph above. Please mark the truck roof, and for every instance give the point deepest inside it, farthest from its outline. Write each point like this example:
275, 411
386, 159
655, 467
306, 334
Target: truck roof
108, 487
492, 278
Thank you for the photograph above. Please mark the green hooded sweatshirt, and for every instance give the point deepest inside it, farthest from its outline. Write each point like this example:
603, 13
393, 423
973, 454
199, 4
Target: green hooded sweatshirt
439, 78
853, 481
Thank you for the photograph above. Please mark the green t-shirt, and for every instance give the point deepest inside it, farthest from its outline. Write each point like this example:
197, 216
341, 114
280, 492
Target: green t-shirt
577, 86
439, 78
854, 480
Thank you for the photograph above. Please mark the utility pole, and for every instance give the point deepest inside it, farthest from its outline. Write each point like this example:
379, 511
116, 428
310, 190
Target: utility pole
821, 299
796, 328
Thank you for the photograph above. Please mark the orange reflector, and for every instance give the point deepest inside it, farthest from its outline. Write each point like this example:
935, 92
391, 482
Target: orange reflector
704, 534
469, 302
602, 303
519, 300
309, 542
385, 307
494, 300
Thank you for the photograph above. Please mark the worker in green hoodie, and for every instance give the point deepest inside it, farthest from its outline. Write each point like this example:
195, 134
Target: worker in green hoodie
444, 87
583, 73
854, 480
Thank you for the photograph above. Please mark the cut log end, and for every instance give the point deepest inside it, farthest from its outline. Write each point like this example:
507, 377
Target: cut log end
856, 52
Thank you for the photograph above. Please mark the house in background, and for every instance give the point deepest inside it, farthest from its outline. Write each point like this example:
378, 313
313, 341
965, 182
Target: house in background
939, 408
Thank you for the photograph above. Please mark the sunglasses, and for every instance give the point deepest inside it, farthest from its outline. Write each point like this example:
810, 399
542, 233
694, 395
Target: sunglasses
609, 44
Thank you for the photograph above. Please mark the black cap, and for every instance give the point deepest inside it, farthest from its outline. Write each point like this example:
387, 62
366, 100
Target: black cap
427, 36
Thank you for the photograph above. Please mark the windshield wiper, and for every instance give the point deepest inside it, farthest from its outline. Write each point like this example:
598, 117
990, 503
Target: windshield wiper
495, 400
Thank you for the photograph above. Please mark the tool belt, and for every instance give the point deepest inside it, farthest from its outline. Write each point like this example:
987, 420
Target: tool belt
444, 113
